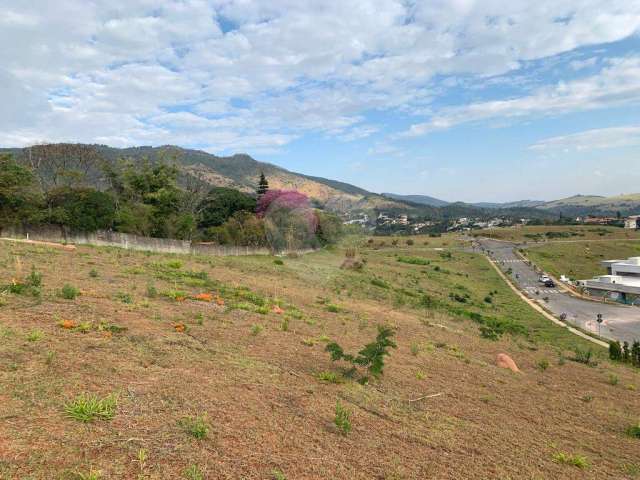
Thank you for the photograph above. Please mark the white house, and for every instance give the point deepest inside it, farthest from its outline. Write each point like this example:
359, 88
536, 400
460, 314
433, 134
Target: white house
632, 222
622, 282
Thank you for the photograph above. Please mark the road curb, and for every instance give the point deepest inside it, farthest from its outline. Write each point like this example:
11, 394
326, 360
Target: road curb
541, 310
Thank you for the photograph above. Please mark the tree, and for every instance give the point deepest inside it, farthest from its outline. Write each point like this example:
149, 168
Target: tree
82, 209
263, 185
64, 164
615, 350
221, 204
20, 199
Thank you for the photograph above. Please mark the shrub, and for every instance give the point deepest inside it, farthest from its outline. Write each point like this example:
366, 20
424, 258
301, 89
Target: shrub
583, 356
342, 419
410, 242
370, 357
124, 297
197, 426
87, 407
32, 285
329, 377
615, 351
413, 260
278, 475
613, 379
256, 329
68, 292
332, 308
543, 364
93, 273
278, 261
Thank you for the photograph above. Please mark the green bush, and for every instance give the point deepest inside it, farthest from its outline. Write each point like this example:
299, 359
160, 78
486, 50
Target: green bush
342, 419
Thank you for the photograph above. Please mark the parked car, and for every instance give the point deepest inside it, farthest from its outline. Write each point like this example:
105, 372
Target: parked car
544, 278
549, 283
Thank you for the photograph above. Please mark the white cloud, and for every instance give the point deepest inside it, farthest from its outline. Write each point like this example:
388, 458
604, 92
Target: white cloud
616, 84
260, 73
601, 138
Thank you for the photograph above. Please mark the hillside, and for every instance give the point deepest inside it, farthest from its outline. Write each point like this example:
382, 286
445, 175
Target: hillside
237, 388
242, 172
419, 199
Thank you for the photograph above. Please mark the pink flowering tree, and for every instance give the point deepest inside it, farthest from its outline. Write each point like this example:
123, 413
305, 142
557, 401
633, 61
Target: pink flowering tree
290, 221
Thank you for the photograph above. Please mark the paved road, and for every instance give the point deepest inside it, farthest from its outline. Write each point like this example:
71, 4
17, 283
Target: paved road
620, 322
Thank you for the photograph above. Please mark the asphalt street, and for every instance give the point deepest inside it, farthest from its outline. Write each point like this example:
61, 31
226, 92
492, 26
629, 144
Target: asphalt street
619, 322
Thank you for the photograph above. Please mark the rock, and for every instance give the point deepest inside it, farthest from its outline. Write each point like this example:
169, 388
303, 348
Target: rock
505, 361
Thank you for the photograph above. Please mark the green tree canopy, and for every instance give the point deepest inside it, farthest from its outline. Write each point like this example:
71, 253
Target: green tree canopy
220, 205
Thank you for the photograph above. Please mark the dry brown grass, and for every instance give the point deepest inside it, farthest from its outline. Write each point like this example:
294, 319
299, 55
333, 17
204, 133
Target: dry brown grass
263, 402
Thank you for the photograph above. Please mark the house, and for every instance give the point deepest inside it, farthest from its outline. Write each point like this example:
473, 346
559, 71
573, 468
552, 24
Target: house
622, 282
632, 222
598, 220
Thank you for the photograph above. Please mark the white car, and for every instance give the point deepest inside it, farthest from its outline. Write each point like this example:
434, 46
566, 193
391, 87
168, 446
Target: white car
544, 279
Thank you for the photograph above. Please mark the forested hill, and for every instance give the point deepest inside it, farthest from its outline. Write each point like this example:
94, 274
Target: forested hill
241, 172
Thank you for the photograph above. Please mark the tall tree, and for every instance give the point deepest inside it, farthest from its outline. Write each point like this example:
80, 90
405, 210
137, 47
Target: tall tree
20, 199
263, 185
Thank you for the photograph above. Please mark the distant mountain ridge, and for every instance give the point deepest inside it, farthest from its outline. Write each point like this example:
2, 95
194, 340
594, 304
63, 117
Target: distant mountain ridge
577, 205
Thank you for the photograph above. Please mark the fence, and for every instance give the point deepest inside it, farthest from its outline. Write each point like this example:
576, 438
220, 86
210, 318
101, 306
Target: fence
104, 238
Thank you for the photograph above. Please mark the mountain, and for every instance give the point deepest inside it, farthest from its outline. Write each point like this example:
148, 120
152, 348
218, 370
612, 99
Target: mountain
419, 199
516, 204
242, 172
628, 204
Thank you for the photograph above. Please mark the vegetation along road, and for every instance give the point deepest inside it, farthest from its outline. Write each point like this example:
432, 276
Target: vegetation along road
619, 322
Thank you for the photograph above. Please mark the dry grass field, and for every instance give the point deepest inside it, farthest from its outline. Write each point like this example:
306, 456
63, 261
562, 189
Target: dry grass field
126, 365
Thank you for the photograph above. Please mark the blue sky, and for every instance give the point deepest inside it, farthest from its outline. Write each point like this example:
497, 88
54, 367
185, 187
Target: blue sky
458, 99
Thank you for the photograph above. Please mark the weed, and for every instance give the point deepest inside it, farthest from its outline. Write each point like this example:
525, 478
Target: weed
329, 377
278, 475
197, 426
342, 419
93, 273
568, 459
49, 358
152, 291
278, 261
35, 336
379, 282
613, 379
415, 349
68, 292
420, 375
92, 475
332, 308
309, 342
87, 407
284, 325
256, 329
193, 473
587, 398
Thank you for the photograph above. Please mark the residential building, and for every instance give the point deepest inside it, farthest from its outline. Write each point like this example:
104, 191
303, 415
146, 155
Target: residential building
632, 222
622, 282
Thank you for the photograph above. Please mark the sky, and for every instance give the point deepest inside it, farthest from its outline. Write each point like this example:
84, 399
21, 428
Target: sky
459, 99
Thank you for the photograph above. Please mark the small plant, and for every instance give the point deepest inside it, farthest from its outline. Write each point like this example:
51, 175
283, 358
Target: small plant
87, 407
615, 351
197, 426
284, 325
613, 379
415, 349
575, 460
68, 292
193, 473
587, 398
342, 419
35, 336
256, 329
152, 291
370, 357
332, 308
93, 273
278, 261
278, 475
92, 475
